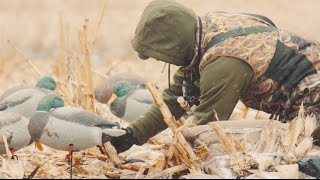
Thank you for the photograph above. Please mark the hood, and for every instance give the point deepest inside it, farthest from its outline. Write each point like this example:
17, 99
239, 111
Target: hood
166, 32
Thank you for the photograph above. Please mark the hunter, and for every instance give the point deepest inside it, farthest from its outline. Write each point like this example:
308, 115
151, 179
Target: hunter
224, 57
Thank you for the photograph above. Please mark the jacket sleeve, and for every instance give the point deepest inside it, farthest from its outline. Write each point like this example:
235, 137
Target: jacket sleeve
222, 82
151, 123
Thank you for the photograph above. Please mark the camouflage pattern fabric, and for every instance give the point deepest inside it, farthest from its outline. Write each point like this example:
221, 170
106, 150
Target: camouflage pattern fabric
244, 66
258, 50
308, 93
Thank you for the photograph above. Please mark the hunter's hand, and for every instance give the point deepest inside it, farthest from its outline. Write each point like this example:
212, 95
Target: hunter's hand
124, 142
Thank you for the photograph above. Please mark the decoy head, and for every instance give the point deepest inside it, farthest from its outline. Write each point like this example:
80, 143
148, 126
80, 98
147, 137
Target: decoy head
47, 82
120, 90
104, 89
50, 101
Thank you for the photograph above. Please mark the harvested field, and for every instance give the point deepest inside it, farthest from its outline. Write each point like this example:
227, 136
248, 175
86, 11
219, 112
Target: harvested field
82, 42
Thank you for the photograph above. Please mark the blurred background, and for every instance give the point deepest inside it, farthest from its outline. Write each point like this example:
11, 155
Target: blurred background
47, 32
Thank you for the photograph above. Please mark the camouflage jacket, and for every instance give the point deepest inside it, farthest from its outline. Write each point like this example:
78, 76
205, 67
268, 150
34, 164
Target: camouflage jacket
270, 71
281, 62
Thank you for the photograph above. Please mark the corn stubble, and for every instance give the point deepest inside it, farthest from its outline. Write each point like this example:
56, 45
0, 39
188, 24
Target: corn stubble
270, 151
73, 69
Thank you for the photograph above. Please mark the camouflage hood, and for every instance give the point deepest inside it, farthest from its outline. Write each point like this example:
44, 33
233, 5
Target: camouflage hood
166, 32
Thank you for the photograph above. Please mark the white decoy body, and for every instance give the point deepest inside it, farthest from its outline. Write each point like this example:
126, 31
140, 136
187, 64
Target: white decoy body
12, 90
64, 126
15, 127
135, 105
130, 100
24, 100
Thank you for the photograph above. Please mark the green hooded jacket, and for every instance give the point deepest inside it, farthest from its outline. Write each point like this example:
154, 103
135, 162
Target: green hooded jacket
167, 32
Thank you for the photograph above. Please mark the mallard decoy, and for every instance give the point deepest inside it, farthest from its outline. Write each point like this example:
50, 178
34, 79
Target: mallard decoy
25, 100
63, 127
103, 90
130, 100
15, 128
45, 82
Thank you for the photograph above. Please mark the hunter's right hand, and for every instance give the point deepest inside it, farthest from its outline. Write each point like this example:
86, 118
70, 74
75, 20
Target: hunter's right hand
124, 142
